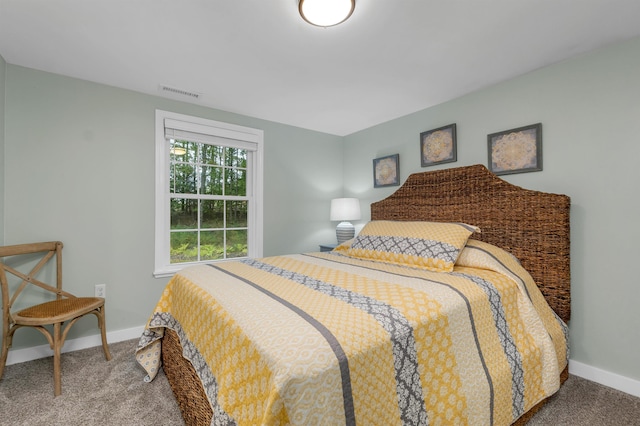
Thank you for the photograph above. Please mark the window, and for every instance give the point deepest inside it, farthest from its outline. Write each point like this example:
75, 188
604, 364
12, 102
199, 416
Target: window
208, 192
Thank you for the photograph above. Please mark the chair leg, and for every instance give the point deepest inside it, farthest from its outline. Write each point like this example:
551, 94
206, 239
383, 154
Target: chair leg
4, 354
57, 381
102, 323
7, 340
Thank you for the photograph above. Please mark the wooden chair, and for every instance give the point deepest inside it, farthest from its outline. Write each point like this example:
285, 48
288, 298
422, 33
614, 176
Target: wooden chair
65, 308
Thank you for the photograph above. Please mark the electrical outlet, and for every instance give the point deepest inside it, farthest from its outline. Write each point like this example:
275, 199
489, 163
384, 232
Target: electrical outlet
101, 290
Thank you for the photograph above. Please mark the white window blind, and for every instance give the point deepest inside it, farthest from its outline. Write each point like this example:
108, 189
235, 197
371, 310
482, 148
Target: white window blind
176, 129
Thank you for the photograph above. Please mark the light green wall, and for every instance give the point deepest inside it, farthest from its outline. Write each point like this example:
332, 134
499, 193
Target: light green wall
590, 111
80, 168
3, 66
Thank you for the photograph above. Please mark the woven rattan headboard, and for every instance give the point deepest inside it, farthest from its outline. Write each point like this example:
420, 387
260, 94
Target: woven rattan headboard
532, 225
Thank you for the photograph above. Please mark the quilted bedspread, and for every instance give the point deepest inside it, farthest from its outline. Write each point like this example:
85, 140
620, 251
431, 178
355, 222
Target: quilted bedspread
327, 339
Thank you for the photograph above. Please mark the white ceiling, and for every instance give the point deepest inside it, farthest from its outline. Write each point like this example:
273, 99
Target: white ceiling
259, 58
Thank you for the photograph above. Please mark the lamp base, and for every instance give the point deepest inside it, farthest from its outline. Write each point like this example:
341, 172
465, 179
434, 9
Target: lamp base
345, 231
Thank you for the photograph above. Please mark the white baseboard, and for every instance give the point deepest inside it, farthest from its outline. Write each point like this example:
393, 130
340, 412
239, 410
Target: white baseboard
17, 356
606, 378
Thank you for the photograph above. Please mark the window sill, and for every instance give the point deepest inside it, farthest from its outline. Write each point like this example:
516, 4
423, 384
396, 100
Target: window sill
170, 270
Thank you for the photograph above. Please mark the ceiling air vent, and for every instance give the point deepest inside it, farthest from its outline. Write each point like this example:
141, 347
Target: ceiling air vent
180, 93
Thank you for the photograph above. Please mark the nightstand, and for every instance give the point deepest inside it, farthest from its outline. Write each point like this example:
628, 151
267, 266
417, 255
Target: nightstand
327, 247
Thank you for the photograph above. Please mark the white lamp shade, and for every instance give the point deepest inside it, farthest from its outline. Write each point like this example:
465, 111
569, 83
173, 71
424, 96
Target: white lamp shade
326, 13
345, 209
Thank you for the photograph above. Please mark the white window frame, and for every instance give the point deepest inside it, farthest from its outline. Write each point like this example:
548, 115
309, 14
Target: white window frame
231, 135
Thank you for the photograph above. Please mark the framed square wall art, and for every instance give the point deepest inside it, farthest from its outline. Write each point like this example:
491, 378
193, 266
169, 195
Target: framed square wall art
386, 171
516, 150
438, 146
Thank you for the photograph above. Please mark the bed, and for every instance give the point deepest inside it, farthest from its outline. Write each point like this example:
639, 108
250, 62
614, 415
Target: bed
365, 334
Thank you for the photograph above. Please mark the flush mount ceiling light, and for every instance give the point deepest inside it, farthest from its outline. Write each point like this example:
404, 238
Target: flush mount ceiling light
326, 13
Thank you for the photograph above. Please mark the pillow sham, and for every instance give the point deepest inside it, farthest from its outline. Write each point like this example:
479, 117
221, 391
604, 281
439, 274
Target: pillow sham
478, 254
431, 245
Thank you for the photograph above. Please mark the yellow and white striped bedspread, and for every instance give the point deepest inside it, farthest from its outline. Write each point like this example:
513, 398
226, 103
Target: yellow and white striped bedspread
325, 339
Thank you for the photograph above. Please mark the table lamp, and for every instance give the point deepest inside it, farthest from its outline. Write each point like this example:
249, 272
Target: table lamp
344, 210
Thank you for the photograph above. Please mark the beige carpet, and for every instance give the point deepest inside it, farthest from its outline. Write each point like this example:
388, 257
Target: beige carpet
96, 392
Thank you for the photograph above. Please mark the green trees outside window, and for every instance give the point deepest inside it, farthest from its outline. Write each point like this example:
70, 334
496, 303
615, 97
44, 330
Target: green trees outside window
209, 203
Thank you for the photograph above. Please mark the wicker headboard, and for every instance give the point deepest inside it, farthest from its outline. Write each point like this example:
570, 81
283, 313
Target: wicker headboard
532, 225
